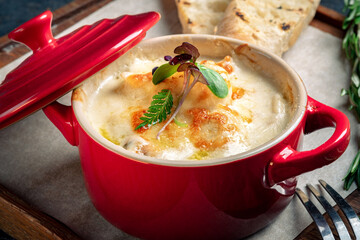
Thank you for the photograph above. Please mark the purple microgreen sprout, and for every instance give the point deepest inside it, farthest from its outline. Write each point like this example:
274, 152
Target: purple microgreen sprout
185, 62
153, 70
179, 59
167, 58
187, 48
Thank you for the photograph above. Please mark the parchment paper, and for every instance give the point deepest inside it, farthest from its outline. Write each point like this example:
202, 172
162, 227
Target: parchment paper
37, 163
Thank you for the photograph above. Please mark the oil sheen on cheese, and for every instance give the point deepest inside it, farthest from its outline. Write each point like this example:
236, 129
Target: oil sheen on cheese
254, 112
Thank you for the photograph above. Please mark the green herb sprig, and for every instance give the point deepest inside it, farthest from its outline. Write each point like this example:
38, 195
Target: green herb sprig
185, 62
159, 109
351, 47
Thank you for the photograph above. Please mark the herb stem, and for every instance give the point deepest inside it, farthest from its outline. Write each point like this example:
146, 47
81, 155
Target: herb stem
183, 96
185, 62
350, 45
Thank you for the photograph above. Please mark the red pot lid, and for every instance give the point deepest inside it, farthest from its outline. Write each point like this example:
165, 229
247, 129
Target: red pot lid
59, 65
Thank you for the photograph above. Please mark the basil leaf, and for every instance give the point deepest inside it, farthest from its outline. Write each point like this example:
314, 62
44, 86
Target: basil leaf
216, 82
163, 72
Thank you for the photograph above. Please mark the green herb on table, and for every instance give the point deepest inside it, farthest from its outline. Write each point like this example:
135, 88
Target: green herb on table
185, 62
351, 48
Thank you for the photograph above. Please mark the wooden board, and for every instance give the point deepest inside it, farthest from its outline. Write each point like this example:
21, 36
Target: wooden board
311, 232
21, 221
24, 222
63, 18
17, 218
330, 21
325, 19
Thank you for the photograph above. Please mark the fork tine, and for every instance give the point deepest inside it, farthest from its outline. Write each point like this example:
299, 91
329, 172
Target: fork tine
336, 219
318, 218
345, 208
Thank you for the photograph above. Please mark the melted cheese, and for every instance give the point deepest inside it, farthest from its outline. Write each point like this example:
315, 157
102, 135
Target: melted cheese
253, 113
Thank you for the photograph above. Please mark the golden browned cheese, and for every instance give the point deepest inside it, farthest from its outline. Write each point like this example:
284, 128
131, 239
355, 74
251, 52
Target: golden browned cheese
237, 93
202, 111
210, 127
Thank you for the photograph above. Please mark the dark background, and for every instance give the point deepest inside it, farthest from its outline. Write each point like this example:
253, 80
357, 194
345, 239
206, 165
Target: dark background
15, 12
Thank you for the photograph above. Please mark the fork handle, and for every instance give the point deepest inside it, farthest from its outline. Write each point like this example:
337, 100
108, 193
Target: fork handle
291, 163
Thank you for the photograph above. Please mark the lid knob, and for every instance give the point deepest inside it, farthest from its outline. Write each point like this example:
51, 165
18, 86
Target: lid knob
36, 33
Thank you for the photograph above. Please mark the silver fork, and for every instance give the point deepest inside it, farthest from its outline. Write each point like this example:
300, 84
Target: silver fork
320, 221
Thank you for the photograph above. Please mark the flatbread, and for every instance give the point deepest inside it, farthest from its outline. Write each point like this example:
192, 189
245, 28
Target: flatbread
272, 24
201, 16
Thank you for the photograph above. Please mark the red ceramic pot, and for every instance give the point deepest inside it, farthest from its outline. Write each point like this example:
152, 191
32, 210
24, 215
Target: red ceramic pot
225, 198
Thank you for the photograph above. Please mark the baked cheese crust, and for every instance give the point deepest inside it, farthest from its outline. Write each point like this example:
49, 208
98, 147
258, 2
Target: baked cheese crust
253, 112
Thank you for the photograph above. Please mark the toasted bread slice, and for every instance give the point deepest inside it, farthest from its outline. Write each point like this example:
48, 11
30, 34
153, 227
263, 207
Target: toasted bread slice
272, 24
201, 16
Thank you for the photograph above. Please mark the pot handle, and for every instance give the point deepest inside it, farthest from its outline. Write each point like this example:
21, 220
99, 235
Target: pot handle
61, 116
290, 163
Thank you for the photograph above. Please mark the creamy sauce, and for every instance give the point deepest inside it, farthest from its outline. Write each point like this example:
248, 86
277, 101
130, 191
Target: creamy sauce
254, 112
